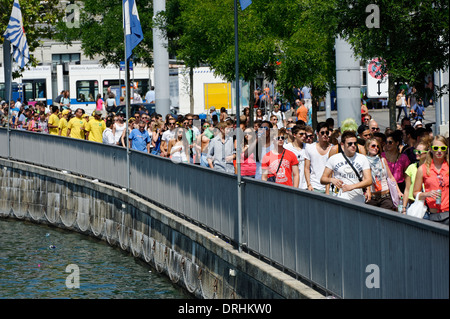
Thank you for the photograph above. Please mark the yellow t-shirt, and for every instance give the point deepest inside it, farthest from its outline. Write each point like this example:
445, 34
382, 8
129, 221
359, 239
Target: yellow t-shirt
76, 127
53, 120
63, 126
95, 129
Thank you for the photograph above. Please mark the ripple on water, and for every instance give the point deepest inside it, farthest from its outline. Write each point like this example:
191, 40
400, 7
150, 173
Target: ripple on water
33, 261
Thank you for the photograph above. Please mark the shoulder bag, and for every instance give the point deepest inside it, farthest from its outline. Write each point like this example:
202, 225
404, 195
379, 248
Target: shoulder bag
392, 188
354, 169
274, 178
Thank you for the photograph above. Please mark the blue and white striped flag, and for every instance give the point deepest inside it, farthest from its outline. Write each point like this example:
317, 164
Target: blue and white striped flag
132, 27
245, 3
16, 35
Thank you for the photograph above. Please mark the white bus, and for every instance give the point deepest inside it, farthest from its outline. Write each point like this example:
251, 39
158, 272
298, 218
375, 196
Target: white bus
87, 81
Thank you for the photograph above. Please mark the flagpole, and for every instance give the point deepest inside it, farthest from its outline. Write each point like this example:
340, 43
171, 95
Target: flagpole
7, 60
14, 36
238, 128
127, 99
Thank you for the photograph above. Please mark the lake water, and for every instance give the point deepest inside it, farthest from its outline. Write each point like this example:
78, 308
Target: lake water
42, 262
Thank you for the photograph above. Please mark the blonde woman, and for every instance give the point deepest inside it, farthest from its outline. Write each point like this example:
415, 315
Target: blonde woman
434, 175
379, 190
420, 152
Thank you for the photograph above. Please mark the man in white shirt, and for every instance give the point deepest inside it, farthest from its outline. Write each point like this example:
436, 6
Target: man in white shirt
339, 170
137, 97
167, 136
108, 136
150, 96
18, 103
316, 158
280, 116
298, 148
307, 96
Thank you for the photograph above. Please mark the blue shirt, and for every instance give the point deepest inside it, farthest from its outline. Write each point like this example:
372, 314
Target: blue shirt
419, 109
139, 140
306, 92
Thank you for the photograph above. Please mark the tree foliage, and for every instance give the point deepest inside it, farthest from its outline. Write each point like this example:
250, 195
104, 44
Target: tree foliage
101, 31
277, 39
412, 38
38, 19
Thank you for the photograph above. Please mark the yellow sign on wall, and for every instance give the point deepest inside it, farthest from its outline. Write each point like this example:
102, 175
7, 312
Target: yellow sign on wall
217, 95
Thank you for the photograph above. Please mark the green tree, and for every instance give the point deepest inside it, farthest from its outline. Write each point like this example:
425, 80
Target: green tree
271, 32
101, 33
38, 19
413, 38
186, 39
308, 53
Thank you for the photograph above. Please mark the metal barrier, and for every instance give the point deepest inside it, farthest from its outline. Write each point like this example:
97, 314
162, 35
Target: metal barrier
349, 250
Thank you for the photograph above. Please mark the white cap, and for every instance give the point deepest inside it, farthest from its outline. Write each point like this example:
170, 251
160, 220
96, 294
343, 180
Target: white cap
418, 123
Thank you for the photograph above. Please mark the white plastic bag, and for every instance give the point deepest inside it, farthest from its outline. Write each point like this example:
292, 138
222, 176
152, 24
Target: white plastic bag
417, 209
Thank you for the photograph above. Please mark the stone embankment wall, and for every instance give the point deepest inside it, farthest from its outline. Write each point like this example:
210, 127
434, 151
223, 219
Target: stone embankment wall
191, 257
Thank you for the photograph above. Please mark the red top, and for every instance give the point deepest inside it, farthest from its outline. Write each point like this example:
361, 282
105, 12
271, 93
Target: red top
248, 165
270, 162
436, 181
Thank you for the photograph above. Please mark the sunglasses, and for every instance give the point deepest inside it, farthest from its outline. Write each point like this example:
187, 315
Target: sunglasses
325, 133
171, 123
419, 152
375, 128
351, 144
280, 138
301, 134
439, 148
374, 146
205, 126
440, 180
309, 136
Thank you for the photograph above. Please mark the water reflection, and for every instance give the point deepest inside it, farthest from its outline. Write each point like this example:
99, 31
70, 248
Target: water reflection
33, 261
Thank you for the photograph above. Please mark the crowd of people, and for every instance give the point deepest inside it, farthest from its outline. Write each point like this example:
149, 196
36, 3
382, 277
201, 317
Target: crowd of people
358, 163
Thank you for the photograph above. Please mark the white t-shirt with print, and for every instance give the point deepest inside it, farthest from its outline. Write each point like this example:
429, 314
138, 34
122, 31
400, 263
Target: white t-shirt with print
343, 171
